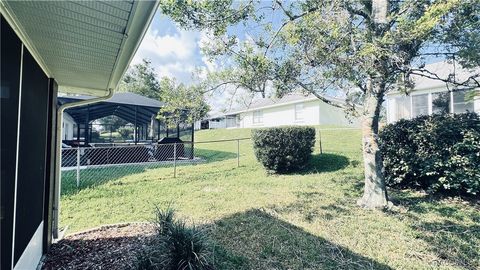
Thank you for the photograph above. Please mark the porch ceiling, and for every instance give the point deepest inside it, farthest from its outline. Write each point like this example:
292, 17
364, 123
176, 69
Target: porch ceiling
85, 45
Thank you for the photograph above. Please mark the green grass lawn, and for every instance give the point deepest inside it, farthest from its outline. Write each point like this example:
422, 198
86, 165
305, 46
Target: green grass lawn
307, 220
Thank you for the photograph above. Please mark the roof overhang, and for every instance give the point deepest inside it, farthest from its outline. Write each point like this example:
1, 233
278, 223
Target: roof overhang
85, 46
279, 104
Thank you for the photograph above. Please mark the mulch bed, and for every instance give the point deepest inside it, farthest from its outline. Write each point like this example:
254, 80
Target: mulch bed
107, 247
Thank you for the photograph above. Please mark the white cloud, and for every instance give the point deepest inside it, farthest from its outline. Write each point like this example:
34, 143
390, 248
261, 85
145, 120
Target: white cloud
180, 46
175, 54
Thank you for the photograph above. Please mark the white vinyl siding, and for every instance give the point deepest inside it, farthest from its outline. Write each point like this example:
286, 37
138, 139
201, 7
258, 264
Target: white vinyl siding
315, 112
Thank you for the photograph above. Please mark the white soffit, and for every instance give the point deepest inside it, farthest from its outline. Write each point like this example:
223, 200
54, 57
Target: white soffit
85, 45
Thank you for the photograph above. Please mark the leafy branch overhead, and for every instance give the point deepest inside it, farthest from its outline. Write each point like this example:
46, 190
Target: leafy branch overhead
360, 50
323, 47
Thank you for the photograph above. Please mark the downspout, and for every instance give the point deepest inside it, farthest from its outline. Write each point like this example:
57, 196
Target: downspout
58, 153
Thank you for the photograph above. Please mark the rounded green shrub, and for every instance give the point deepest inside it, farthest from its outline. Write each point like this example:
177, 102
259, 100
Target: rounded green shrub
438, 153
283, 149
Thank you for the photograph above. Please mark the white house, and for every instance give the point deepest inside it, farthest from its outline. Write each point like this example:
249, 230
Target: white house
292, 109
434, 96
69, 127
212, 121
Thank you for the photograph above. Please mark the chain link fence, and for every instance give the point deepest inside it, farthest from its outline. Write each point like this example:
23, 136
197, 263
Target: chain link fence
86, 166
89, 166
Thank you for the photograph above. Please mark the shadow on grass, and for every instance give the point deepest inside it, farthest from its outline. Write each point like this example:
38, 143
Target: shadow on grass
306, 206
453, 233
262, 241
326, 162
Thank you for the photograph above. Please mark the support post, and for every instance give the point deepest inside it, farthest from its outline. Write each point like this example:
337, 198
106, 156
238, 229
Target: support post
320, 141
192, 155
87, 126
135, 133
78, 167
58, 154
174, 160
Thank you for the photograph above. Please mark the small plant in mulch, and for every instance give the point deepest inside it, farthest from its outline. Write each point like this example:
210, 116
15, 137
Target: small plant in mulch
176, 245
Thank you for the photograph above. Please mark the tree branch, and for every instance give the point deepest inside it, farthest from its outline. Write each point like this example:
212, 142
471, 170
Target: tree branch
430, 75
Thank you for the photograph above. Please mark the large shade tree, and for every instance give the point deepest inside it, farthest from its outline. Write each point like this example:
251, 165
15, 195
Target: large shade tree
183, 103
141, 79
362, 48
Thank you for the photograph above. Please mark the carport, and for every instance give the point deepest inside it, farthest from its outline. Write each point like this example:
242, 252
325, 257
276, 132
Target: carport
133, 108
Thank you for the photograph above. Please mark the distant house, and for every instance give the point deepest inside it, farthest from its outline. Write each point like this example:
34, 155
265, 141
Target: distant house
214, 121
434, 96
292, 109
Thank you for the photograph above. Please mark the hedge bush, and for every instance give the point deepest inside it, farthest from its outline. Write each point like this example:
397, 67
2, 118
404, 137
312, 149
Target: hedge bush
438, 153
283, 149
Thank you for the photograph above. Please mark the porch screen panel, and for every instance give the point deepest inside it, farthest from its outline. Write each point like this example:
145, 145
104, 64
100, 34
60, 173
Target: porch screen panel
461, 102
441, 102
32, 153
402, 108
10, 82
419, 105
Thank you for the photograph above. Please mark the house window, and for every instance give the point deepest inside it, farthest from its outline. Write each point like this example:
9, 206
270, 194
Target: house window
231, 121
441, 102
402, 108
257, 117
419, 105
461, 103
299, 112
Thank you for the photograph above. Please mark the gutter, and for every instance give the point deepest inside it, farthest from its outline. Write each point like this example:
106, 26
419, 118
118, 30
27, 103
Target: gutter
58, 154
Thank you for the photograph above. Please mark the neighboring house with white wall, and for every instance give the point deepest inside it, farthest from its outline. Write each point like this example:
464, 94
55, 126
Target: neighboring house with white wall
433, 96
69, 127
292, 109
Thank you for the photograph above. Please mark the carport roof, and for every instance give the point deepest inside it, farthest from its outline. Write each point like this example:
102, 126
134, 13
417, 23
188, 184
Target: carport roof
128, 106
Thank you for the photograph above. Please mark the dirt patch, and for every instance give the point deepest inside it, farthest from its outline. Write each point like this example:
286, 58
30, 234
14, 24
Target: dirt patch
107, 247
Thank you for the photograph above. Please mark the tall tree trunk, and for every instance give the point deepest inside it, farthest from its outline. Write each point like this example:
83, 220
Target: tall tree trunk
375, 193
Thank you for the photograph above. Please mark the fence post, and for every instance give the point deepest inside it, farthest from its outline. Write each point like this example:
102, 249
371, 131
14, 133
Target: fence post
174, 160
78, 166
320, 141
238, 153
